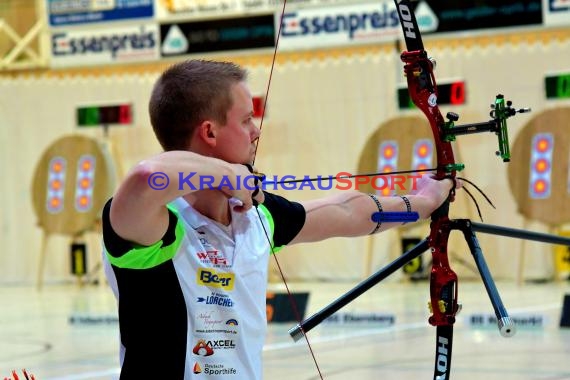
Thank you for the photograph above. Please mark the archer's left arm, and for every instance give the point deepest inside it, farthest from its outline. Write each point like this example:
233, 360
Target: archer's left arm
348, 214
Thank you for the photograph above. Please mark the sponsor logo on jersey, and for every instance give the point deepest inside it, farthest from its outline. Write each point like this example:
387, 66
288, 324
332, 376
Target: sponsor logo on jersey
212, 257
215, 321
208, 347
211, 278
217, 299
219, 369
202, 349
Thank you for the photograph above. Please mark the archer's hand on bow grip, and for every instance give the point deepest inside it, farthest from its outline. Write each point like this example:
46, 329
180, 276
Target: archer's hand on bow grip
450, 197
437, 193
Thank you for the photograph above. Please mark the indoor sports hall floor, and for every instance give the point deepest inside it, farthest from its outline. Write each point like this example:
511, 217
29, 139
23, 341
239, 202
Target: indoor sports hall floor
36, 334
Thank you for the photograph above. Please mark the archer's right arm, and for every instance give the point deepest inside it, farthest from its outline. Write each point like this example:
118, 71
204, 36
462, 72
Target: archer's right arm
138, 210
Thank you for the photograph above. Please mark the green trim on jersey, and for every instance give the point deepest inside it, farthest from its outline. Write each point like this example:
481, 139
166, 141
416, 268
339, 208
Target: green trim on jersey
145, 257
271, 222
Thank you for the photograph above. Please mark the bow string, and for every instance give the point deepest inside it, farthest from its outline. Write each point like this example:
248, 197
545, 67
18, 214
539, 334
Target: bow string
292, 301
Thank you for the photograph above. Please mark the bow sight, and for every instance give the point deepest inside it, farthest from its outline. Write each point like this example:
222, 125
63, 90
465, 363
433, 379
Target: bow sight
501, 111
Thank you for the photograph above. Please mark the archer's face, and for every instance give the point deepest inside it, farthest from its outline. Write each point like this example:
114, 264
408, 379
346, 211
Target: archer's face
236, 140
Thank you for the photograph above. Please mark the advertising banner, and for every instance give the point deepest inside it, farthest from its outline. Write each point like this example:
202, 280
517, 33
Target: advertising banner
121, 44
456, 16
169, 10
217, 35
73, 12
374, 22
338, 26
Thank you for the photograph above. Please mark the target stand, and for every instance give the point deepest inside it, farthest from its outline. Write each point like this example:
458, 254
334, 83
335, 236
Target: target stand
539, 179
72, 181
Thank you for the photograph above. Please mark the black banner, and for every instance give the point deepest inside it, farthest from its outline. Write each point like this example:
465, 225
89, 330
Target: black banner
455, 16
217, 35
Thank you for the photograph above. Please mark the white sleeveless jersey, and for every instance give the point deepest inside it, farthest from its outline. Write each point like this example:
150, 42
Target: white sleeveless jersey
198, 295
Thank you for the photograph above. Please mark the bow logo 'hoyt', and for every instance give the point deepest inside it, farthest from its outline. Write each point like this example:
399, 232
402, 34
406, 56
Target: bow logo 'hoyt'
406, 17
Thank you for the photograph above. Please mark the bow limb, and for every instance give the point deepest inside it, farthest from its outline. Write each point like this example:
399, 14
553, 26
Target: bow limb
422, 87
269, 239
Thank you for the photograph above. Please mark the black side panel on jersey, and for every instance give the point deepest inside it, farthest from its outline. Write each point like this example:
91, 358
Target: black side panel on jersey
153, 322
289, 218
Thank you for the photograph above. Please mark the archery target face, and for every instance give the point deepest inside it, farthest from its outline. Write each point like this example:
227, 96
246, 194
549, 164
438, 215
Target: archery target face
540, 182
399, 144
422, 154
71, 183
387, 163
539, 176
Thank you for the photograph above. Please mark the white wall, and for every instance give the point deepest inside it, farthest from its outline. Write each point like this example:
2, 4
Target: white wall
321, 112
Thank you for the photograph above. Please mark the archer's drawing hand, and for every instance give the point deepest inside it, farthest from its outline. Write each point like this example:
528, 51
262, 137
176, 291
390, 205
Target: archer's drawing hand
244, 189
